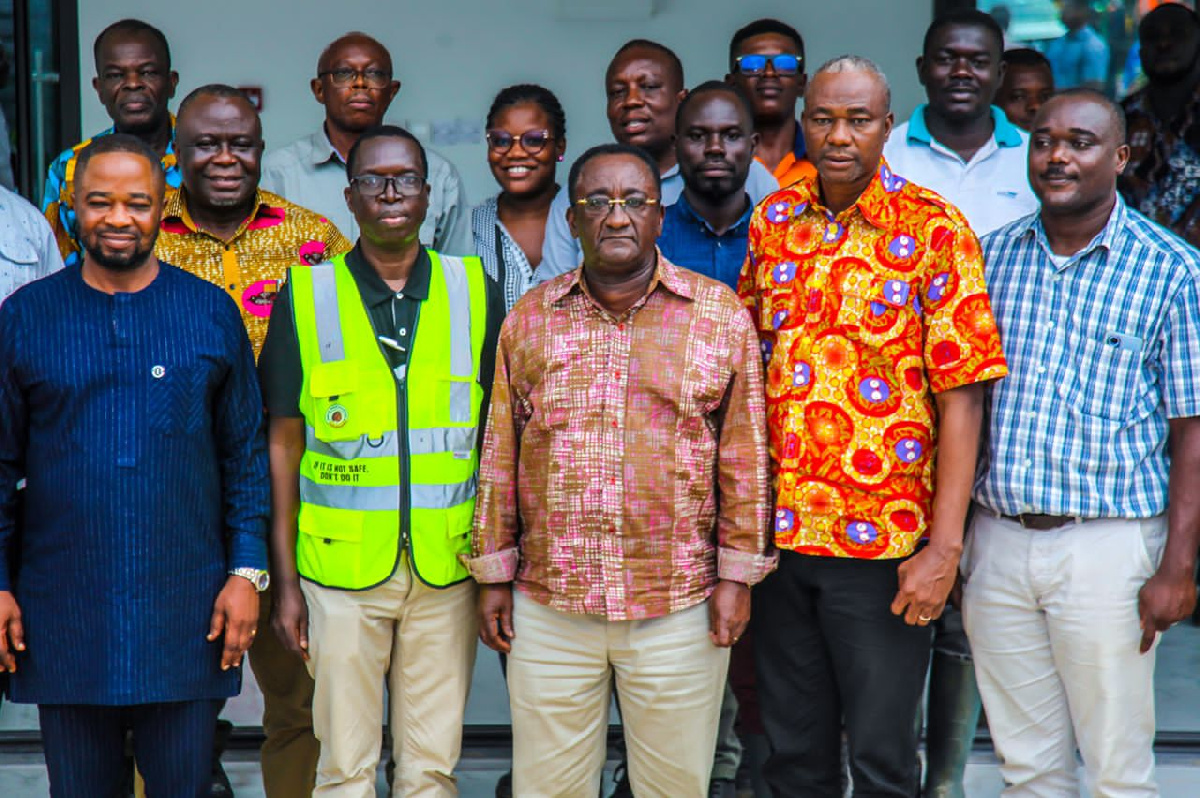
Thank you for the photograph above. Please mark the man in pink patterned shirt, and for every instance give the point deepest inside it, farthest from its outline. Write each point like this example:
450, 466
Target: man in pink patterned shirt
624, 491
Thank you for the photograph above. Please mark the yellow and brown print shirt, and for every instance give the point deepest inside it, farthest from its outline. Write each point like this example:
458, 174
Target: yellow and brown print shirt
253, 264
863, 316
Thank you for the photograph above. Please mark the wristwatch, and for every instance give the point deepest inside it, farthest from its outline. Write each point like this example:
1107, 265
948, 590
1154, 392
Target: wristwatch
260, 579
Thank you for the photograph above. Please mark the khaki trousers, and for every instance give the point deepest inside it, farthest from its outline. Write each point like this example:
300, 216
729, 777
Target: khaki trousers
423, 641
669, 678
289, 754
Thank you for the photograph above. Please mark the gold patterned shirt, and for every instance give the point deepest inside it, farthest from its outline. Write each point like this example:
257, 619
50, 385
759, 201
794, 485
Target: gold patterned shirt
252, 264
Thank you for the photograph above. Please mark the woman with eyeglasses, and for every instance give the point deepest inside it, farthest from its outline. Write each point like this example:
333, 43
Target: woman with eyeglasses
526, 138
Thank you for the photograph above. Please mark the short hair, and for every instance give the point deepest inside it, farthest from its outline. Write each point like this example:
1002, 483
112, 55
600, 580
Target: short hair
384, 132
136, 27
964, 18
1170, 8
715, 87
856, 63
647, 44
531, 93
323, 58
759, 27
222, 90
1025, 57
602, 150
1098, 97
118, 142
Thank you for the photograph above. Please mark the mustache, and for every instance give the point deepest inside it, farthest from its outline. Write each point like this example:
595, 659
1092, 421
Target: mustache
1054, 172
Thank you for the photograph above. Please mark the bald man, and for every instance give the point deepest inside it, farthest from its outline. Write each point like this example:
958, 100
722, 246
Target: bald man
1073, 565
355, 84
869, 298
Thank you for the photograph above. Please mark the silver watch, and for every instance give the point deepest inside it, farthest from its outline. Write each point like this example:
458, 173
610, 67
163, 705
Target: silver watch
260, 579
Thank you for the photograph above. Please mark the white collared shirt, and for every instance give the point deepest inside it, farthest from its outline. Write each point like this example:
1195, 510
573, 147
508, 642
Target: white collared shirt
28, 250
992, 189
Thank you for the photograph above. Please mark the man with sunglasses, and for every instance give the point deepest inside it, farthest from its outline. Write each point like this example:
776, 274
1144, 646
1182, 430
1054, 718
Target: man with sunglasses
766, 61
623, 492
644, 85
356, 86
374, 373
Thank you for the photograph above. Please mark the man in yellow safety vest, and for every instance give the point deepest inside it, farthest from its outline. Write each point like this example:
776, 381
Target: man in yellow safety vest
375, 372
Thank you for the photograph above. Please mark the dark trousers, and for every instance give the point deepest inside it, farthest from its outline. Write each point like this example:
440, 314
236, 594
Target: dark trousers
172, 744
829, 655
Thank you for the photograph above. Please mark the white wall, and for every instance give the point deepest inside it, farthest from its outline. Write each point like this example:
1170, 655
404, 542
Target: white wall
454, 55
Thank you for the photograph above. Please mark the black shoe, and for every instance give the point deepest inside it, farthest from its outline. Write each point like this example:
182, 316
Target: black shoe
220, 786
504, 786
621, 779
722, 788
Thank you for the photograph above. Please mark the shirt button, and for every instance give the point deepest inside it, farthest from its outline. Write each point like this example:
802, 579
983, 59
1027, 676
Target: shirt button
617, 374
1041, 369
621, 327
1050, 325
403, 332
399, 295
1029, 464
614, 423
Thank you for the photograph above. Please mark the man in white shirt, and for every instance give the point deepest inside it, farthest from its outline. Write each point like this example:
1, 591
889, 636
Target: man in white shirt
356, 86
964, 148
28, 251
959, 144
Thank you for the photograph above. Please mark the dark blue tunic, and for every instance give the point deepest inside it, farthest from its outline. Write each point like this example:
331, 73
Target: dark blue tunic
137, 420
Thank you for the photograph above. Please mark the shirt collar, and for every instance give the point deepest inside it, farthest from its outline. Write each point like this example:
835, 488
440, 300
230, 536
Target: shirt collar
1106, 238
877, 202
666, 274
169, 155
738, 227
175, 213
372, 287
321, 149
1006, 133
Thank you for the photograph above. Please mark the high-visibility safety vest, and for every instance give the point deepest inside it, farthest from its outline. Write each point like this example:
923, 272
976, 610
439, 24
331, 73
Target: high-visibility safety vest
350, 476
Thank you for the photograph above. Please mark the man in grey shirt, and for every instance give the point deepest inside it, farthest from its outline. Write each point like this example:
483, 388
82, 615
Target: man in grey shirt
355, 84
28, 251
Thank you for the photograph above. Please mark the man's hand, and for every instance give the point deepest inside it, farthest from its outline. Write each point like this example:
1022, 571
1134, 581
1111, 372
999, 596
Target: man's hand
1167, 598
728, 613
926, 579
12, 633
289, 619
495, 617
235, 613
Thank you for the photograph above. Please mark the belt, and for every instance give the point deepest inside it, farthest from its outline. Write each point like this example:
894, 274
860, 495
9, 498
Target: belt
1037, 522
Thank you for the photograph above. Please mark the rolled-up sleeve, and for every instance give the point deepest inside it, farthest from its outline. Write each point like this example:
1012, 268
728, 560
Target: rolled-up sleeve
745, 551
494, 541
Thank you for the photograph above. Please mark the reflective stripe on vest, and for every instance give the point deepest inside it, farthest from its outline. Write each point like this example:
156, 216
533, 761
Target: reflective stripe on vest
350, 474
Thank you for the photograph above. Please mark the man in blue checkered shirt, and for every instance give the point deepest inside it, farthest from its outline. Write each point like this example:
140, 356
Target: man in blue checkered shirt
1073, 564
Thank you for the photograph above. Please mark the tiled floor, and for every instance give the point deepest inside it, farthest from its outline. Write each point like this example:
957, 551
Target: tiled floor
1177, 687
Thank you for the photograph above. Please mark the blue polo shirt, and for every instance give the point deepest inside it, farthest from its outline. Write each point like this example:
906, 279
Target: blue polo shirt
689, 241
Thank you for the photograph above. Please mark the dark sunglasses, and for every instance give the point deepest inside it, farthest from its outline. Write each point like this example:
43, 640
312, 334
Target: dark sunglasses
532, 141
784, 64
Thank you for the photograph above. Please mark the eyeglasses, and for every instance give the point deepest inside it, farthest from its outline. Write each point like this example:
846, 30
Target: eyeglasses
406, 185
602, 206
784, 64
532, 141
372, 78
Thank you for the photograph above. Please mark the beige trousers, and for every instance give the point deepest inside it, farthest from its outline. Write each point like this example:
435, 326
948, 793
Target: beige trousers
669, 679
422, 640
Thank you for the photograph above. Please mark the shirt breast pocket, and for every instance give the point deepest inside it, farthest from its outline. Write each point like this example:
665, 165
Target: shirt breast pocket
876, 309
1105, 375
177, 399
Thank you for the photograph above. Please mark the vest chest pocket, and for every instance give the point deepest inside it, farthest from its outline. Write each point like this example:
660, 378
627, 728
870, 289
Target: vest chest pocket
338, 407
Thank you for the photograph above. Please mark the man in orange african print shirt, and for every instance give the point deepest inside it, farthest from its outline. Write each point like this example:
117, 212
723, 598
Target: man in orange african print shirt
869, 298
221, 227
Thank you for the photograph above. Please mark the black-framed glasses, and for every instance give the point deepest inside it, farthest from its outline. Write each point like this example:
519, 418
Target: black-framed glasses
600, 205
532, 141
783, 63
406, 185
371, 78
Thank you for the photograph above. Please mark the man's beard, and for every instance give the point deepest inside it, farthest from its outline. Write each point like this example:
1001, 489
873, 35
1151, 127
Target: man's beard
118, 262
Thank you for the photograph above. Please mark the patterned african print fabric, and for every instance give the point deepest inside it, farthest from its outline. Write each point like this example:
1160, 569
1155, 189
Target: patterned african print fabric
1162, 179
624, 468
60, 185
863, 317
251, 265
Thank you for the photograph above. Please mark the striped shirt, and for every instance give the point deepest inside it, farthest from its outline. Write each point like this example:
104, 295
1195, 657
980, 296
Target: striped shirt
1102, 349
507, 265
